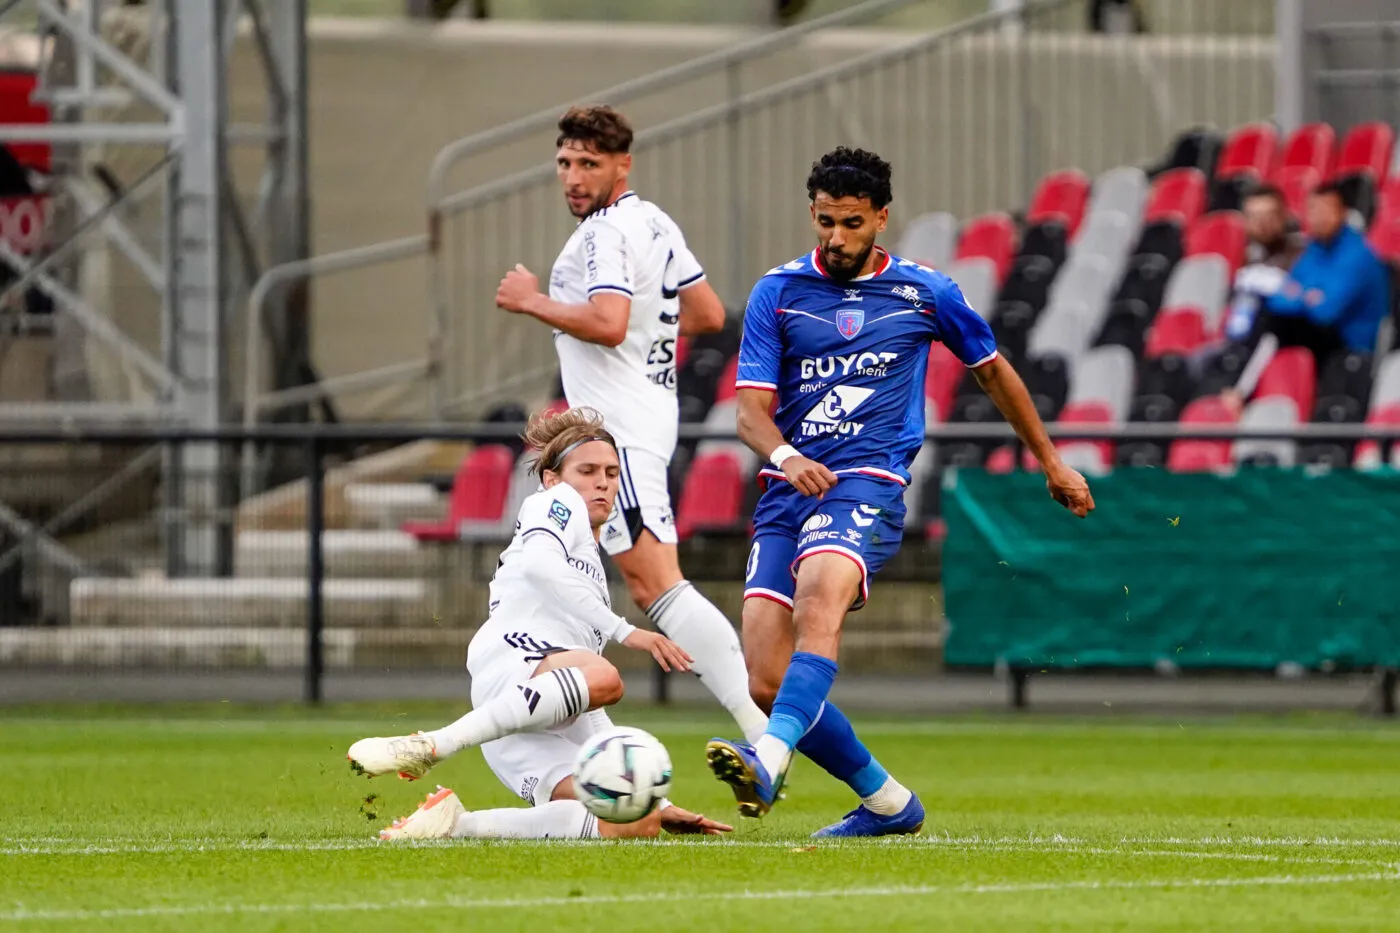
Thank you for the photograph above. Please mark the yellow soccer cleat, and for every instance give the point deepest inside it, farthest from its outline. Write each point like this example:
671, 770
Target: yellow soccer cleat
410, 756
435, 818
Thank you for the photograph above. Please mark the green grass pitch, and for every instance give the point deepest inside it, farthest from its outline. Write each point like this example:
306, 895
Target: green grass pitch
219, 818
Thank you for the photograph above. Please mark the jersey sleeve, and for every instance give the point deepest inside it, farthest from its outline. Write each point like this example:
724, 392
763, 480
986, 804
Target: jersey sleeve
761, 348
558, 516
962, 329
607, 266
685, 266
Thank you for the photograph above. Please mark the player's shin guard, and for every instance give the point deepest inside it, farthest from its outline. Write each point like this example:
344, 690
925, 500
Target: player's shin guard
558, 819
805, 686
692, 621
540, 702
832, 744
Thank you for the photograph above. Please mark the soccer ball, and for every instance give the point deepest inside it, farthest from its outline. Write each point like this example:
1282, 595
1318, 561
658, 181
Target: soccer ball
622, 774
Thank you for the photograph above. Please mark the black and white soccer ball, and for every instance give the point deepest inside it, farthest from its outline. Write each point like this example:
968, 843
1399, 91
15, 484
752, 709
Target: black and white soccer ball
621, 774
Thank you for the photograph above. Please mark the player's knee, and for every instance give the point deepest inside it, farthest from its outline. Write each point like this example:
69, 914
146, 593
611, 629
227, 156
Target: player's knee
763, 690
605, 686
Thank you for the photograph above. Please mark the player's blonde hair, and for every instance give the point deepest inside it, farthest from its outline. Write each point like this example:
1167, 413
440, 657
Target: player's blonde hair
555, 435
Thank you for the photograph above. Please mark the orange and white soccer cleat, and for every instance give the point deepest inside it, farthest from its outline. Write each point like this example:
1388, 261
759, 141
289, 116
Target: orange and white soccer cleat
410, 756
435, 818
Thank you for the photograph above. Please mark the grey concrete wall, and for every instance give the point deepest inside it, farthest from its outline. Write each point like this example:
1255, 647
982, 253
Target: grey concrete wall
1356, 101
969, 126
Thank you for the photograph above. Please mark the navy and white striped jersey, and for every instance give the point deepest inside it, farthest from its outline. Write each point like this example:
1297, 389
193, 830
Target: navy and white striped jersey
848, 359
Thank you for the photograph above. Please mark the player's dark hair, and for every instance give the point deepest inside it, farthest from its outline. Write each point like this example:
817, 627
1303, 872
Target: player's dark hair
597, 127
556, 434
851, 173
1333, 187
1264, 189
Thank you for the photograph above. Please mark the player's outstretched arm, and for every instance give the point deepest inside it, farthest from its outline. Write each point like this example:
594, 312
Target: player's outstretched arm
760, 432
602, 319
1004, 387
701, 310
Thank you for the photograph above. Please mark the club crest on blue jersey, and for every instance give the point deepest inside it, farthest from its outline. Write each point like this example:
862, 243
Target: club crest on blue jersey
849, 323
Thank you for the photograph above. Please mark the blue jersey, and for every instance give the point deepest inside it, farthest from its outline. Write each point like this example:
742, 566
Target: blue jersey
848, 359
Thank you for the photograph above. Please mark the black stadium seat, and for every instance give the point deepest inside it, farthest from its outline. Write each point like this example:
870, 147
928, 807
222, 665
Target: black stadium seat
1126, 325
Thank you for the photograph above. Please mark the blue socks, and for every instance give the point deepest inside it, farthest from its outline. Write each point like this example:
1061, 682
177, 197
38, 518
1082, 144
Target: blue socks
832, 745
805, 686
802, 719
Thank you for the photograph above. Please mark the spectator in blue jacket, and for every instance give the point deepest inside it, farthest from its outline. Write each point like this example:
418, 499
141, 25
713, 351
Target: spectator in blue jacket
1338, 291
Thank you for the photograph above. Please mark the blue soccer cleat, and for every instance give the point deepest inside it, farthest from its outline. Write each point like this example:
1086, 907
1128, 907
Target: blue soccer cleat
736, 764
863, 823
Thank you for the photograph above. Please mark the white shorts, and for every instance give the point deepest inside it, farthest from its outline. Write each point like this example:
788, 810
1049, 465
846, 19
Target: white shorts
500, 656
643, 501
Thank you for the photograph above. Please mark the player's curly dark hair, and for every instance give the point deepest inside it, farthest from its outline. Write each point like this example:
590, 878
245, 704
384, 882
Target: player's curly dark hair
851, 173
598, 127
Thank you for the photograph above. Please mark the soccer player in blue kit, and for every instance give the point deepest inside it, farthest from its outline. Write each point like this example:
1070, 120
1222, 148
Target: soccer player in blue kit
841, 336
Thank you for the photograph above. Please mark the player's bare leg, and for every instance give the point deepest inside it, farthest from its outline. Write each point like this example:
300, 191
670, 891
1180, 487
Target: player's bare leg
442, 816
652, 571
564, 685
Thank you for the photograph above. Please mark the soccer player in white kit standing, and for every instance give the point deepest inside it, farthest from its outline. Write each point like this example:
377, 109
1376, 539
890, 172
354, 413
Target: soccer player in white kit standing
623, 289
539, 681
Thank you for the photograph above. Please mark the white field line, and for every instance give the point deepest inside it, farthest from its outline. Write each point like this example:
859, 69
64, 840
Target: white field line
57, 846
19, 913
332, 727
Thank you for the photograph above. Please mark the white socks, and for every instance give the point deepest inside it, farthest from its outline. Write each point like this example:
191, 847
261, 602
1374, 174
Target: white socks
558, 819
692, 621
889, 799
540, 702
773, 753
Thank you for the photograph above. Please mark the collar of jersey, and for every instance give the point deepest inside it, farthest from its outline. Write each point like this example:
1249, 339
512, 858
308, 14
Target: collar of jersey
817, 263
629, 193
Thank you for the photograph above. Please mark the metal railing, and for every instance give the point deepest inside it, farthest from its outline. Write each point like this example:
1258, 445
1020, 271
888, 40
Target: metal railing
970, 116
323, 578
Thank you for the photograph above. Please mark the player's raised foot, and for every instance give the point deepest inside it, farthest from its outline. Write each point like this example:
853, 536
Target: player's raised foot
736, 764
409, 756
864, 823
435, 818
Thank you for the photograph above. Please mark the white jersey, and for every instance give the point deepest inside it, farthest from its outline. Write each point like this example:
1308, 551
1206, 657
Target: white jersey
560, 591
629, 248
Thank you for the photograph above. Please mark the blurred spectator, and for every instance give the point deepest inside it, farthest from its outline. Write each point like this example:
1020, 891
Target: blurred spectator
1116, 16
1339, 290
1274, 246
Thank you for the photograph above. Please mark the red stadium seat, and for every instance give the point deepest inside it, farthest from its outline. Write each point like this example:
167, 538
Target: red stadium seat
556, 406
991, 236
1085, 413
1221, 233
682, 351
479, 493
945, 373
1366, 149
1291, 374
1250, 150
1061, 198
1002, 460
1297, 183
1368, 453
1196, 456
713, 497
1310, 146
1176, 330
1388, 208
1177, 196
725, 390
1385, 239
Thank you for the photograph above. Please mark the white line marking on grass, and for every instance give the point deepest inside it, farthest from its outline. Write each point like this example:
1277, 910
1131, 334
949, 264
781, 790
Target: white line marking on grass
21, 914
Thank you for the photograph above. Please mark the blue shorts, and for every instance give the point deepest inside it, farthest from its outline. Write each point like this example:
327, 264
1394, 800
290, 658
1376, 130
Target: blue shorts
861, 517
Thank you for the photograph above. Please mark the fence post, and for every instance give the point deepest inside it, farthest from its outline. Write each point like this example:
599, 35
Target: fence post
660, 686
315, 569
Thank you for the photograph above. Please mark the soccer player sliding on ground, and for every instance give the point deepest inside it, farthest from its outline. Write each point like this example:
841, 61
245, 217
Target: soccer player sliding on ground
841, 336
624, 288
539, 680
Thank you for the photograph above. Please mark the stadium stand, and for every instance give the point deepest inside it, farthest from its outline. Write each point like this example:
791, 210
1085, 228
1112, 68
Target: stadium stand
480, 493
1104, 301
